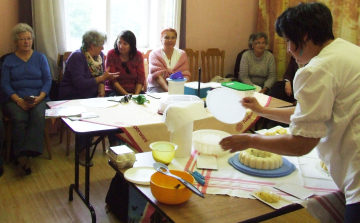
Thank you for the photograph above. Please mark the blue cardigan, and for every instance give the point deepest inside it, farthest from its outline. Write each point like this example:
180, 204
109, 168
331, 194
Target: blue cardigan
26, 78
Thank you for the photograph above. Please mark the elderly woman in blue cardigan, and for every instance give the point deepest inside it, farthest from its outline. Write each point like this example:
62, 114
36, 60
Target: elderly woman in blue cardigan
26, 83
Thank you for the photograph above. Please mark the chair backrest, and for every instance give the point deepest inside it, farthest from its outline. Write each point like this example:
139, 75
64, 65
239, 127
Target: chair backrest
2, 94
60, 64
212, 62
146, 68
238, 60
237, 64
193, 60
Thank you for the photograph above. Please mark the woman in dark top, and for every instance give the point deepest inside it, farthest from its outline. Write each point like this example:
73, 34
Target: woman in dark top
84, 74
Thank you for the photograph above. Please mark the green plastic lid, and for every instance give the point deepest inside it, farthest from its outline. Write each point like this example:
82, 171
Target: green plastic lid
238, 86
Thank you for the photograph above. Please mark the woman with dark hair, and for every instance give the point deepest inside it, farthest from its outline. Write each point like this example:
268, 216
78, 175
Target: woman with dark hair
165, 61
129, 62
327, 114
26, 83
257, 65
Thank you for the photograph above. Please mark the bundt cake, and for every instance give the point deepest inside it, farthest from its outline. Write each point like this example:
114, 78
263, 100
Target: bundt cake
258, 159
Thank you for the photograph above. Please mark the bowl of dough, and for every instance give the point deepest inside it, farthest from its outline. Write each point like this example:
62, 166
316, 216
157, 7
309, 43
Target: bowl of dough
206, 141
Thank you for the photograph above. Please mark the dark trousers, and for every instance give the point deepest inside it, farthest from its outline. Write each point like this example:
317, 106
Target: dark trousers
1, 137
278, 91
27, 128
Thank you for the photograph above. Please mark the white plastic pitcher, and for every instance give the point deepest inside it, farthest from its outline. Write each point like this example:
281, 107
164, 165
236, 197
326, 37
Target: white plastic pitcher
176, 86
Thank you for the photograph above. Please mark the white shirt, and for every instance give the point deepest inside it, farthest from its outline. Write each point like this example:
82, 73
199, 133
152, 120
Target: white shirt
328, 96
174, 58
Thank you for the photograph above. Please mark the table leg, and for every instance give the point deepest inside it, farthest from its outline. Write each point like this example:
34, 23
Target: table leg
86, 198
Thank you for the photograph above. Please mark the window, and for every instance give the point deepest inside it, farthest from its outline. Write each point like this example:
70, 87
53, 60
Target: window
144, 18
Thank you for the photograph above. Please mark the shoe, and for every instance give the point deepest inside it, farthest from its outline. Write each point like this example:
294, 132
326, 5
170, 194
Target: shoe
82, 163
27, 170
1, 170
25, 164
23, 160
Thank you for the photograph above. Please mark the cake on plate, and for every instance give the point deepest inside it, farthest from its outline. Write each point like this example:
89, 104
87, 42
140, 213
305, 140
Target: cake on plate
258, 159
280, 131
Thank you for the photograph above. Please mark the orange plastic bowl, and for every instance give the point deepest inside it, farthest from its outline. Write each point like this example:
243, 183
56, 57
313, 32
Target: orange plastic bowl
163, 187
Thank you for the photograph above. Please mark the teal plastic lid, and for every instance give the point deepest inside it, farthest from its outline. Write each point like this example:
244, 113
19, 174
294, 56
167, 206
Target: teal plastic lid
238, 86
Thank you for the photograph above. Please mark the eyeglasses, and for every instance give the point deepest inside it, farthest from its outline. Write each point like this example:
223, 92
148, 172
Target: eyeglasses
123, 64
260, 43
23, 39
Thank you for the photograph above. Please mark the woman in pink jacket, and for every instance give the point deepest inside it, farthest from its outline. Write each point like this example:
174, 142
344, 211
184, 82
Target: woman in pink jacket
165, 61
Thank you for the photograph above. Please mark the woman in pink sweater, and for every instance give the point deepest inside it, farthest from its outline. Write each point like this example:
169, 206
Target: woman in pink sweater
165, 61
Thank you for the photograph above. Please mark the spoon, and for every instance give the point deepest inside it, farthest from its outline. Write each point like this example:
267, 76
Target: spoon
162, 168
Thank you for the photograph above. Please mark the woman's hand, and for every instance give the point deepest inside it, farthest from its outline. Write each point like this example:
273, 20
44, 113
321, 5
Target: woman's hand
264, 90
108, 76
162, 83
23, 104
235, 142
288, 89
252, 103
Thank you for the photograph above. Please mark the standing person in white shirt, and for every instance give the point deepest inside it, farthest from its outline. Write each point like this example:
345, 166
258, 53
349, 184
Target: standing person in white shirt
327, 115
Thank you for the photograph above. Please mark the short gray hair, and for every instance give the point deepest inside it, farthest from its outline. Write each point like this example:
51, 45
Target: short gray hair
256, 36
19, 28
93, 37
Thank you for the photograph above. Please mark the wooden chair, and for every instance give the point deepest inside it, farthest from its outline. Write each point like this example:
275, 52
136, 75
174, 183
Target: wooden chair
146, 68
60, 63
193, 59
212, 62
8, 135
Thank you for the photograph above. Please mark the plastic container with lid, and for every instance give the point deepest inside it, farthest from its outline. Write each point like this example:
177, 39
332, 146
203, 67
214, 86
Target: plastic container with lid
166, 100
122, 156
191, 88
176, 86
244, 89
176, 83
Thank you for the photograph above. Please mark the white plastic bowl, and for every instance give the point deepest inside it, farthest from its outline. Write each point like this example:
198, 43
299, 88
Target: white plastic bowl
206, 141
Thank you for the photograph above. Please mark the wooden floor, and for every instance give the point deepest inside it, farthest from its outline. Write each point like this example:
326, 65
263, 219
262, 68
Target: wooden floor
43, 195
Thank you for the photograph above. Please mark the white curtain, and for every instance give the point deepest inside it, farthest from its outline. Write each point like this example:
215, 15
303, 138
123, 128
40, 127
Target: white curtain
49, 30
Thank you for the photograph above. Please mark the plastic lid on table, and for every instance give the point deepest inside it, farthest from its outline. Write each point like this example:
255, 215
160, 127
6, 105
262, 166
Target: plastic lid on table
238, 86
139, 175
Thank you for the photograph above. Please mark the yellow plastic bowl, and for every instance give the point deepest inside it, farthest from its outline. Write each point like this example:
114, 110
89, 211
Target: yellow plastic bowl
163, 187
163, 152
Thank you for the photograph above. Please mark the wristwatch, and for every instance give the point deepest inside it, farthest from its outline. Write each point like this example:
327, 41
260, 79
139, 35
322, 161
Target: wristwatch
286, 80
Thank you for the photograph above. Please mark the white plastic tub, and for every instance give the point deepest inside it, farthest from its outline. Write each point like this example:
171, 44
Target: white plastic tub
206, 142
